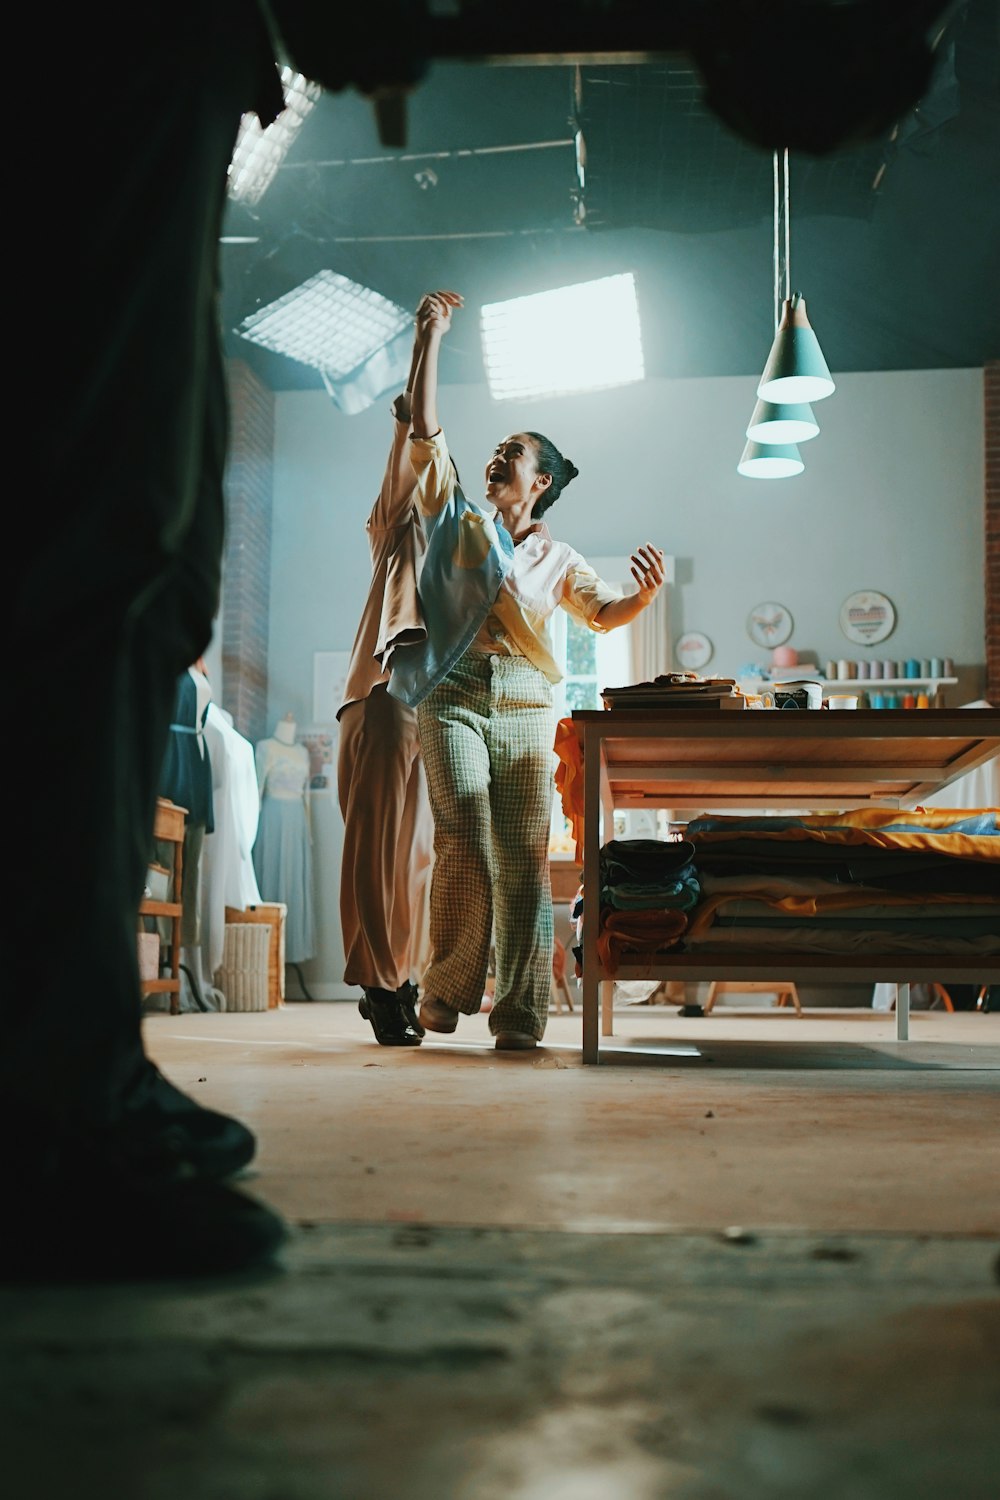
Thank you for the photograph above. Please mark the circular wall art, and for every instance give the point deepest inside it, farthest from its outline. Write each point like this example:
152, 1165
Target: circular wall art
867, 617
693, 650
769, 624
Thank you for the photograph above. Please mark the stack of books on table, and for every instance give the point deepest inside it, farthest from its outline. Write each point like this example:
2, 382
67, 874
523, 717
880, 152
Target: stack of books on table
676, 690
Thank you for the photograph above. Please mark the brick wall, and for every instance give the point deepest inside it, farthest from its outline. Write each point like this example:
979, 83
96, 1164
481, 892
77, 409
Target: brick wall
991, 529
246, 569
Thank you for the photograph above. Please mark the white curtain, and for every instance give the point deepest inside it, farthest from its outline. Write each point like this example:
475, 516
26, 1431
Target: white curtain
650, 646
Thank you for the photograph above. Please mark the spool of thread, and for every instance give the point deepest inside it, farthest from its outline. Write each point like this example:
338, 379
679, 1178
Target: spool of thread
831, 671
888, 670
890, 700
948, 667
878, 700
874, 670
862, 671
936, 668
909, 700
923, 701
925, 668
912, 668
843, 670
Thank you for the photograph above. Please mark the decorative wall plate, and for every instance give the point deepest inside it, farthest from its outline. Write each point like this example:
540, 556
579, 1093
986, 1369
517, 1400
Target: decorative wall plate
769, 624
693, 650
867, 617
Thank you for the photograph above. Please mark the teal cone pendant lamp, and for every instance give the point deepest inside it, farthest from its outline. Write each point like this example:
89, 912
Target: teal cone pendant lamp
782, 422
796, 370
770, 461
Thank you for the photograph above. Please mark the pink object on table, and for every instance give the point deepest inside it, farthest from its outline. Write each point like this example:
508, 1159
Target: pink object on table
784, 656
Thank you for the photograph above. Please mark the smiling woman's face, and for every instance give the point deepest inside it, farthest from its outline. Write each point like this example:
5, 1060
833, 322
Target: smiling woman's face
512, 471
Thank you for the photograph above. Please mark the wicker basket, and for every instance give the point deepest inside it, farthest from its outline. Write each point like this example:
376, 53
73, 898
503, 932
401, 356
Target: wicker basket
243, 974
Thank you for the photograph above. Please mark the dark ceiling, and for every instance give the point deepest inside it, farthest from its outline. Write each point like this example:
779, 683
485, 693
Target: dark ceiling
895, 230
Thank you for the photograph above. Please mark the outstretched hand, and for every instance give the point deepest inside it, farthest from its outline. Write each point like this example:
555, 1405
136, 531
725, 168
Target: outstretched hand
648, 571
435, 310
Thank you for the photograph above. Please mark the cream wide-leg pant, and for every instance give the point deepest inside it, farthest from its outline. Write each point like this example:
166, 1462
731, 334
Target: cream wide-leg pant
487, 736
387, 841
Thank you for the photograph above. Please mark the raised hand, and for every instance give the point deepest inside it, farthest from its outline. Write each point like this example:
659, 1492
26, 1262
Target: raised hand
435, 310
648, 571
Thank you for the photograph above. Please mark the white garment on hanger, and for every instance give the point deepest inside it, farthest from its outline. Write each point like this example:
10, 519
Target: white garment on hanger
228, 876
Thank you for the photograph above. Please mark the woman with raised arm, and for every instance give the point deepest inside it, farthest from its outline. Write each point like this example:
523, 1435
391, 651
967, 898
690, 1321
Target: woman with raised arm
482, 684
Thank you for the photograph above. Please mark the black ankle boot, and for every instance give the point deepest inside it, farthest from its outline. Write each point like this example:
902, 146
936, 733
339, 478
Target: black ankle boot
388, 1019
407, 996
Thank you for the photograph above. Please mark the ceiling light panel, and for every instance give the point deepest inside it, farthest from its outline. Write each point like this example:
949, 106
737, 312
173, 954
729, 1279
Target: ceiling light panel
259, 153
329, 322
575, 338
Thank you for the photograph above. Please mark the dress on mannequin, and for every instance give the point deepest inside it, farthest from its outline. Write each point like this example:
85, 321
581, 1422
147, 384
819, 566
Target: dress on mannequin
282, 851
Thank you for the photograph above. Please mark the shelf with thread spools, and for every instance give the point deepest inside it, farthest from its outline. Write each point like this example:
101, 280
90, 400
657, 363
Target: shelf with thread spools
872, 688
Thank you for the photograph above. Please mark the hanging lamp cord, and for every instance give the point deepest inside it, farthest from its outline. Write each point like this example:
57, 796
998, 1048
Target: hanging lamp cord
782, 221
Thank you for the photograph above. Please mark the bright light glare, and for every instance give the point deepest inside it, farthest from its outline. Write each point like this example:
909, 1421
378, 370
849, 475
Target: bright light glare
259, 153
329, 322
576, 338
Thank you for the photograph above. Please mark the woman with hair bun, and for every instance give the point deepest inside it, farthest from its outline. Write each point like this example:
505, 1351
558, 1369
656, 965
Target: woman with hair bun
482, 682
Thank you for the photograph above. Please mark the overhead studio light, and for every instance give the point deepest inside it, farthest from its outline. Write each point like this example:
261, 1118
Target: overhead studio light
782, 423
359, 341
259, 153
584, 337
770, 461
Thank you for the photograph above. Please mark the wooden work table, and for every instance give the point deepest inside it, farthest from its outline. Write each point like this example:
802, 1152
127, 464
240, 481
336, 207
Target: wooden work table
710, 760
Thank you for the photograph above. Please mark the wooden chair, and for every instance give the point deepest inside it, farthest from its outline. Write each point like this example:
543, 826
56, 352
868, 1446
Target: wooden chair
940, 993
560, 984
782, 991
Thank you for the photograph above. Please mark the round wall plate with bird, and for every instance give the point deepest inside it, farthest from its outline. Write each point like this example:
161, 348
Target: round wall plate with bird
693, 650
769, 624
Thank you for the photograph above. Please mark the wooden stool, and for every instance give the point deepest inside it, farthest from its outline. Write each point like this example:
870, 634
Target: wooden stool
783, 992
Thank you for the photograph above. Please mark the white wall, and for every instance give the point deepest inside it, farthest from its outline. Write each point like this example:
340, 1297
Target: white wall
891, 499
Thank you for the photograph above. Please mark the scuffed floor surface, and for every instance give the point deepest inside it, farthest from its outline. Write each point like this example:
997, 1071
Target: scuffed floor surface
414, 1363
748, 1257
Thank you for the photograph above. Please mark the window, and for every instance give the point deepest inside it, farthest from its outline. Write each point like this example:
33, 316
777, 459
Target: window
589, 661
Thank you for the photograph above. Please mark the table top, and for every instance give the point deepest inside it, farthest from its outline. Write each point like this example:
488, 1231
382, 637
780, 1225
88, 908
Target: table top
700, 758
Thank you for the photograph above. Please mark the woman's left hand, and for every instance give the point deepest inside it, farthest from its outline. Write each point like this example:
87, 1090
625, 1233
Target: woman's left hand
648, 571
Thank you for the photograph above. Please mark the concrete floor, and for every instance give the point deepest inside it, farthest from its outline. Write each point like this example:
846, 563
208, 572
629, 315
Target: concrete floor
747, 1257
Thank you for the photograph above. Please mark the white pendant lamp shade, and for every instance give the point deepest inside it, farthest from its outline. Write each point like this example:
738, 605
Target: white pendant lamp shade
782, 423
770, 461
796, 370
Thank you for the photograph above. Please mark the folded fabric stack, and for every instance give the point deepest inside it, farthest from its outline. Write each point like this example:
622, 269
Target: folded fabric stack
675, 690
648, 887
868, 881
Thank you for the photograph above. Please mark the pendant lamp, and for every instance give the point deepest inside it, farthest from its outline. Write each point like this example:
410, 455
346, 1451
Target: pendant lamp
796, 371
782, 422
770, 461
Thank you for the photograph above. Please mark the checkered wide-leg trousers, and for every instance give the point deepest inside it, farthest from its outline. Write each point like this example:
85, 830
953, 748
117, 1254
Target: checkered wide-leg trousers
486, 734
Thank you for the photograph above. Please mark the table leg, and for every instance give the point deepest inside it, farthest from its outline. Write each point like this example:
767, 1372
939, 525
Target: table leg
902, 1012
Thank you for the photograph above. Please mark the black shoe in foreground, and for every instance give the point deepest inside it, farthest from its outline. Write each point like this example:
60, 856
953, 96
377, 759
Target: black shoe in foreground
388, 1019
407, 997
165, 1125
104, 1222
